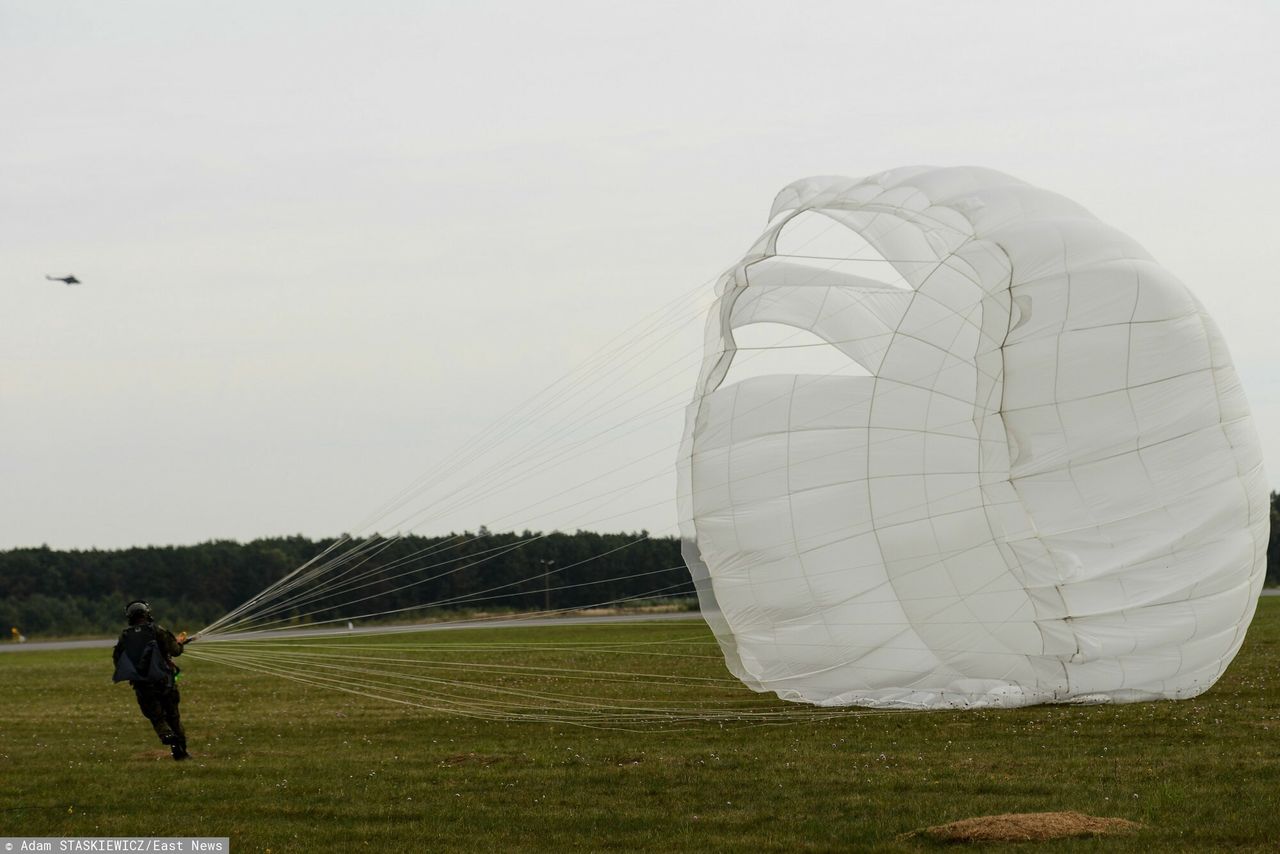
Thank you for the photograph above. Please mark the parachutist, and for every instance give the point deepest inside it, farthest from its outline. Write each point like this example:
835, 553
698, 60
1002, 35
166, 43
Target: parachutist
144, 657
69, 280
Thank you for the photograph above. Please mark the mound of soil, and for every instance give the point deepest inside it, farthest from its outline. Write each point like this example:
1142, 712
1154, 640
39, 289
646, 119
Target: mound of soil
1028, 827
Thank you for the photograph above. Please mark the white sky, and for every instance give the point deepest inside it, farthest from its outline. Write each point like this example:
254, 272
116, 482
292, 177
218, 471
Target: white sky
321, 246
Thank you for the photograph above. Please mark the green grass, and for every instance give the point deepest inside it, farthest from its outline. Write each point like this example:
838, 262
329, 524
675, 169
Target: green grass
288, 767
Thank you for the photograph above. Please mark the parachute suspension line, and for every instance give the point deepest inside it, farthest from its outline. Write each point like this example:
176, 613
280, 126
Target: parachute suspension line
518, 582
589, 367
645, 325
272, 589
513, 420
300, 577
371, 674
523, 453
288, 583
410, 668
397, 665
257, 617
499, 487
362, 552
494, 552
579, 502
358, 658
668, 591
409, 679
537, 707
355, 548
529, 463
380, 571
326, 589
333, 584
353, 583
342, 573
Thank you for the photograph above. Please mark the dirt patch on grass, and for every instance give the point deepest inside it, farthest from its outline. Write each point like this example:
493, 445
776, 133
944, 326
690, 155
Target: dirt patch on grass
154, 755
480, 759
1027, 827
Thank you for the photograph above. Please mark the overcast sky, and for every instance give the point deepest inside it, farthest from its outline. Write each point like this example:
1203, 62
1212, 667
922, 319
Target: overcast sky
323, 243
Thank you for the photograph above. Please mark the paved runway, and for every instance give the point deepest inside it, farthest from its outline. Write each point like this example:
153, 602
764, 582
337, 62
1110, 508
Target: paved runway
515, 622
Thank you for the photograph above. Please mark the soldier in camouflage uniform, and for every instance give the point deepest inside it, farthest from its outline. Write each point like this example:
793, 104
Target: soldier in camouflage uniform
144, 657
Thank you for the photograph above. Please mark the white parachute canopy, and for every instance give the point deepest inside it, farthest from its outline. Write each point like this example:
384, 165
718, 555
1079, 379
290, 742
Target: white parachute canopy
1039, 481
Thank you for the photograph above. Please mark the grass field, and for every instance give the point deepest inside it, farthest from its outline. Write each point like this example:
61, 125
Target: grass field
282, 766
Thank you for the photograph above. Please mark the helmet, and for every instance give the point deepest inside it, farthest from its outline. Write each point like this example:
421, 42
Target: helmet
137, 609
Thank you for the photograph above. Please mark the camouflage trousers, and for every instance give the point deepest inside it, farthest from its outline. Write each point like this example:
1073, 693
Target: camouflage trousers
159, 704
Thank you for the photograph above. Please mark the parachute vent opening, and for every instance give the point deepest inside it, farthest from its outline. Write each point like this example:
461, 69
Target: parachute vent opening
771, 349
813, 240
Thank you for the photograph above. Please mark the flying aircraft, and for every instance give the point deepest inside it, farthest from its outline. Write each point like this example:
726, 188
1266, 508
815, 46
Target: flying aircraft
70, 280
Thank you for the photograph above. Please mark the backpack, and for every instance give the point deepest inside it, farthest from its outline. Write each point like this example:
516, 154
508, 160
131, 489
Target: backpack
141, 660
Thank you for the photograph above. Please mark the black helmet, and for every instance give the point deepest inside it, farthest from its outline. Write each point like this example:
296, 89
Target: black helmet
137, 609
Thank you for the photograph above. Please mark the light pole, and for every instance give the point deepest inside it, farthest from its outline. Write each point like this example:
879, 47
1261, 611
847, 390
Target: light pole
548, 567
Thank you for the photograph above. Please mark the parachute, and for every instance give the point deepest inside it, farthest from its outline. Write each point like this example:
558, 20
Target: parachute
1038, 482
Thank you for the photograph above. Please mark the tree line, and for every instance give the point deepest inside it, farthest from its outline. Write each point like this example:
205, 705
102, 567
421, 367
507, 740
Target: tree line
46, 591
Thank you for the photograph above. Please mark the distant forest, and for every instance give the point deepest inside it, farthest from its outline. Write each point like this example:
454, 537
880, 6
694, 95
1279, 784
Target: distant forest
48, 592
